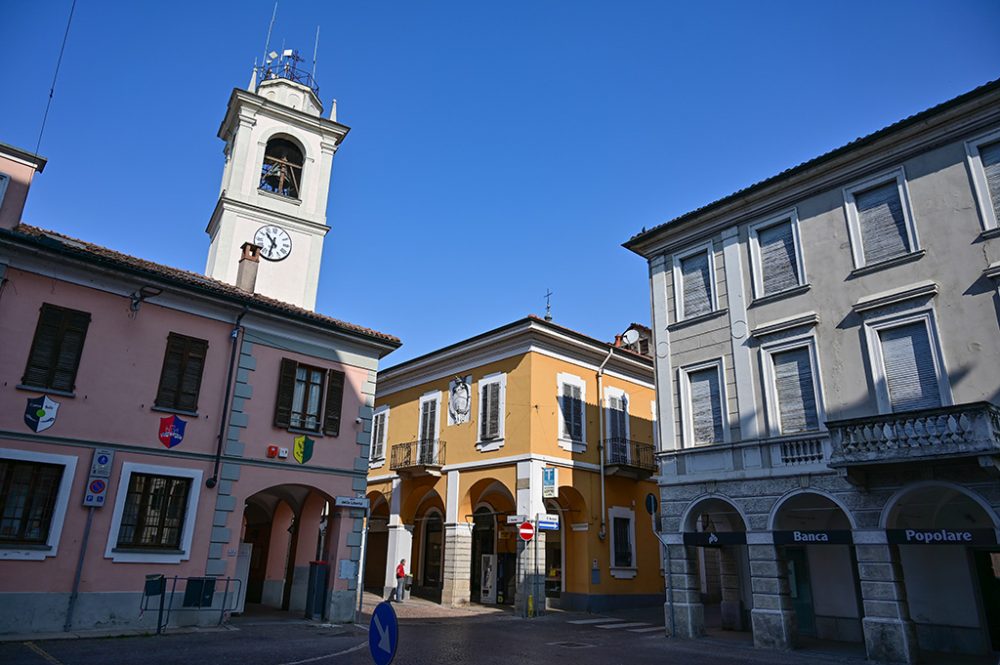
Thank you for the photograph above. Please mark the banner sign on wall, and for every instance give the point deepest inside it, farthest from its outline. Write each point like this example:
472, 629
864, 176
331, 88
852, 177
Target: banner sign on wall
941, 536
714, 539
831, 537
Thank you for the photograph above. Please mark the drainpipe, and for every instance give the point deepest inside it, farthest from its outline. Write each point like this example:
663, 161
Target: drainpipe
603, 533
224, 420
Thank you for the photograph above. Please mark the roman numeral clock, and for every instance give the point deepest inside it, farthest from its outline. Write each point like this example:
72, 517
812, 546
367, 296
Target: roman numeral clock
274, 242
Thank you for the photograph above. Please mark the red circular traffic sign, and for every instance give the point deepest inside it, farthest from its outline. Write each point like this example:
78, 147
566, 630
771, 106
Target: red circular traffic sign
526, 531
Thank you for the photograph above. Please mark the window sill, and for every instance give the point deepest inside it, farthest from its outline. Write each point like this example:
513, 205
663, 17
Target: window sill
140, 555
295, 430
990, 233
48, 391
676, 325
377, 463
490, 445
573, 446
147, 550
888, 263
624, 573
787, 293
23, 546
280, 197
25, 552
180, 412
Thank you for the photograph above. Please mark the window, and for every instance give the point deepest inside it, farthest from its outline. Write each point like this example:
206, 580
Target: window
27, 500
4, 181
793, 387
380, 423
428, 443
572, 395
281, 172
34, 493
300, 396
906, 360
694, 283
623, 560
879, 219
180, 378
617, 426
56, 349
492, 410
154, 514
776, 254
984, 166
702, 404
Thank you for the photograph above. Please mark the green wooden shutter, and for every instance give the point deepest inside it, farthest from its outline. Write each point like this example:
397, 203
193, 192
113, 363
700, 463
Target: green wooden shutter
286, 388
334, 403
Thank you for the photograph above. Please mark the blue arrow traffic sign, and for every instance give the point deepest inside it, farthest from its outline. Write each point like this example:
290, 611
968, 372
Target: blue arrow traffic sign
383, 634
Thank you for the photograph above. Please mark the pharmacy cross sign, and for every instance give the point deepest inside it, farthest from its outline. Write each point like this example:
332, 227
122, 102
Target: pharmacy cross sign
526, 531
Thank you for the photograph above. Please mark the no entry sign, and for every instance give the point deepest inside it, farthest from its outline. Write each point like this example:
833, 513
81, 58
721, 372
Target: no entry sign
526, 531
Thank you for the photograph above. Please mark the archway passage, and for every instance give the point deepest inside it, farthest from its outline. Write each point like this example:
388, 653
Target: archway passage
814, 538
493, 546
951, 567
377, 547
483, 578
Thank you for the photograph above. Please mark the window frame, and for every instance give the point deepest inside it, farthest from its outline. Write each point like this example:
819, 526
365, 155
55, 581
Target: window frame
4, 182
17, 552
184, 361
757, 261
568, 443
771, 402
980, 186
48, 387
136, 555
873, 342
678, 280
609, 392
687, 411
622, 572
496, 443
432, 396
382, 412
897, 175
333, 387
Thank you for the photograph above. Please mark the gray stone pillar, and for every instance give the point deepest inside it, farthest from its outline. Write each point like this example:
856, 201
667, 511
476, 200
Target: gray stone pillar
773, 618
731, 606
890, 636
457, 572
688, 612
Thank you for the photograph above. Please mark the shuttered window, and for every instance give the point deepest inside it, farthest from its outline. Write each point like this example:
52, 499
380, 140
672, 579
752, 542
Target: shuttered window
334, 402
623, 542
618, 417
706, 406
489, 411
27, 498
56, 348
154, 512
910, 374
300, 398
990, 156
778, 264
378, 435
797, 409
428, 421
883, 226
571, 403
696, 282
180, 378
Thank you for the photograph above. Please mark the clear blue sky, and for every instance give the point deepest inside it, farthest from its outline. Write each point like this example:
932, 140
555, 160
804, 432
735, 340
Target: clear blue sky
497, 148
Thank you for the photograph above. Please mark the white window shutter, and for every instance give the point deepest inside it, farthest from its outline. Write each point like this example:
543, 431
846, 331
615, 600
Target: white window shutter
697, 283
794, 386
706, 405
883, 229
378, 436
990, 156
910, 374
779, 269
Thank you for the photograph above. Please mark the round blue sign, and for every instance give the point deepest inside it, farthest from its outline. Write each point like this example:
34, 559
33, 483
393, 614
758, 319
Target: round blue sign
383, 634
102, 459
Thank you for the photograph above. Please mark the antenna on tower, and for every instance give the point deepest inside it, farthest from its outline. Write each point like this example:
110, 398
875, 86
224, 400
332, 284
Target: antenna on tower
315, 52
548, 304
267, 41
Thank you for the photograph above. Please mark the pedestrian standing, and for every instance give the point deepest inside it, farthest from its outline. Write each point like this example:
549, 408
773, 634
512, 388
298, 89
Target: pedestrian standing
400, 580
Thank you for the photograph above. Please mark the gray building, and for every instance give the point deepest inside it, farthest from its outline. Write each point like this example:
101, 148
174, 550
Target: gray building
828, 373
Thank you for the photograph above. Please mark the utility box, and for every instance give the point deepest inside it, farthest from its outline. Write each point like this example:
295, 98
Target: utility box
155, 585
319, 578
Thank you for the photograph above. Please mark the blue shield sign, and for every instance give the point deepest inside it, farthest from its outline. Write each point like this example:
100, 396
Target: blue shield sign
40, 414
171, 431
383, 634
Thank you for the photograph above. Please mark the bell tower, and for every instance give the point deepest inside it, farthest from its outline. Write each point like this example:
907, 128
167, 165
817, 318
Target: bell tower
279, 156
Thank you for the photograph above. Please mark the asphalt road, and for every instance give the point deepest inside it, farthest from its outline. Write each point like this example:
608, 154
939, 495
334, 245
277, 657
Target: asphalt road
499, 639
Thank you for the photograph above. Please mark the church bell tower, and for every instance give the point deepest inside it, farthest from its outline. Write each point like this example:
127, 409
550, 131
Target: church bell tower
279, 157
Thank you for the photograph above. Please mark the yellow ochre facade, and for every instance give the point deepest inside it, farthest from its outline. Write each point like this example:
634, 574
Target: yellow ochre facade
525, 420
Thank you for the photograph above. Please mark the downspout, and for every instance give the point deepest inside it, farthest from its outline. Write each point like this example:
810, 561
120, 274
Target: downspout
603, 532
224, 421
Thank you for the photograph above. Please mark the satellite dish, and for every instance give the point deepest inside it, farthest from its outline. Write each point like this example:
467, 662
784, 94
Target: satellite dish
631, 336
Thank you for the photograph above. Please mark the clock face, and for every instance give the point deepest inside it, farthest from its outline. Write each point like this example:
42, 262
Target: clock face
274, 242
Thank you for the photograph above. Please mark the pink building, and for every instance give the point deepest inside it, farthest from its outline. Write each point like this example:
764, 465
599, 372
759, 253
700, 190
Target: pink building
156, 421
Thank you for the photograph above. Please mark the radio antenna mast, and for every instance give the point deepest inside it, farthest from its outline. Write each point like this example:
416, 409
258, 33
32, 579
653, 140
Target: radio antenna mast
315, 52
267, 41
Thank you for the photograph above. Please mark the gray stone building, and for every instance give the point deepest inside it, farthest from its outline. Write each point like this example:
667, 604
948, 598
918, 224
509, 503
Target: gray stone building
828, 373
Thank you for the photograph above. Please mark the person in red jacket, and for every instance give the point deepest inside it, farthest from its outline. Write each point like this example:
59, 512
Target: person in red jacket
397, 593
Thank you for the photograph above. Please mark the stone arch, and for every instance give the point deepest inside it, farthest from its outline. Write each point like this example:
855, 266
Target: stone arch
799, 492
715, 504
947, 492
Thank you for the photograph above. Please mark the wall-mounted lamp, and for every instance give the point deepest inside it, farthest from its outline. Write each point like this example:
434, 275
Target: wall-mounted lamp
141, 295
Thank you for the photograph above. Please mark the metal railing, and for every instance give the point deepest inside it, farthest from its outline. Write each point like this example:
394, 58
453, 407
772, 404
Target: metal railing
428, 452
963, 429
199, 595
625, 452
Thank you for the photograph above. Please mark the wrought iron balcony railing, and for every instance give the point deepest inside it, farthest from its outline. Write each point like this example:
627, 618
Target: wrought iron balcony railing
417, 454
628, 453
950, 431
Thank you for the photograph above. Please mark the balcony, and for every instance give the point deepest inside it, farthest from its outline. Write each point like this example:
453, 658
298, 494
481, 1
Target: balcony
757, 458
630, 459
417, 458
965, 430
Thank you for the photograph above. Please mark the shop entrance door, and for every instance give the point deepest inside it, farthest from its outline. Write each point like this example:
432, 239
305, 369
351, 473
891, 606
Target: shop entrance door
801, 589
988, 571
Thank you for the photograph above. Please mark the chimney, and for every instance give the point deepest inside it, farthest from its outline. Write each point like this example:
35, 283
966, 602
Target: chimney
246, 276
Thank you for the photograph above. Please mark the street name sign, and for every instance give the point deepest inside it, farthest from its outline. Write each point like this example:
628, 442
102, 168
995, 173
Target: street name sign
383, 634
516, 519
548, 522
350, 501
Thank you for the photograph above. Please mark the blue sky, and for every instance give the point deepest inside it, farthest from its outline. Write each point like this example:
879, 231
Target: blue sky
498, 149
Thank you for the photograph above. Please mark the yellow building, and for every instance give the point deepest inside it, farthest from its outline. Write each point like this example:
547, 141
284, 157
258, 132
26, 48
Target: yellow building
528, 422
